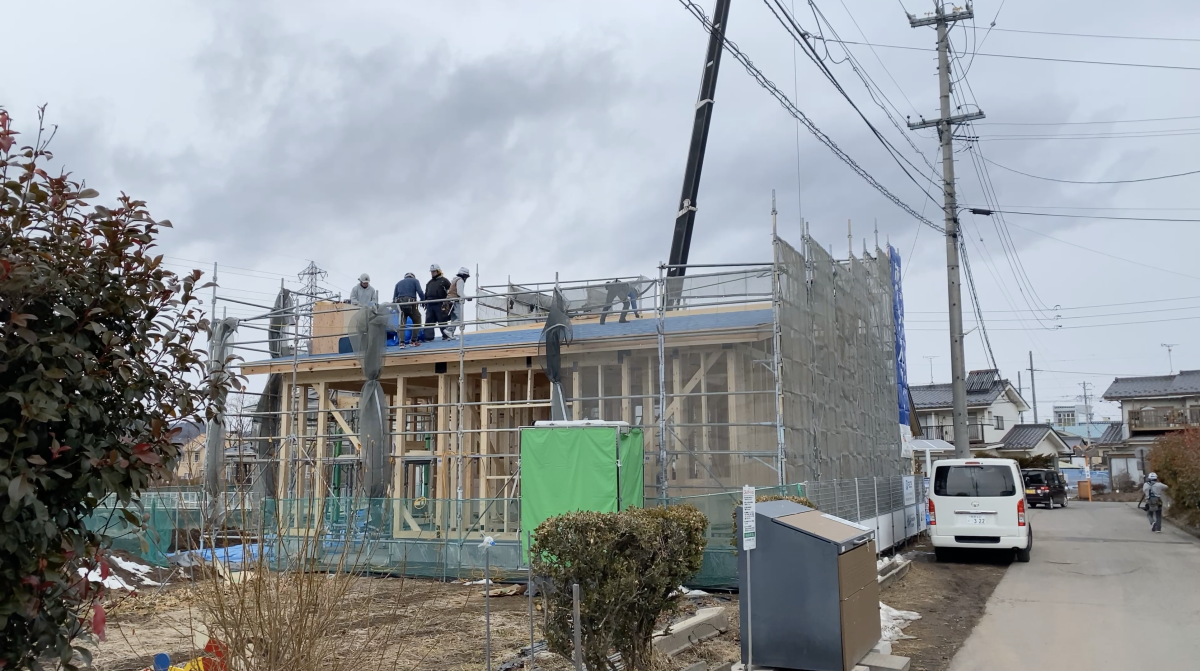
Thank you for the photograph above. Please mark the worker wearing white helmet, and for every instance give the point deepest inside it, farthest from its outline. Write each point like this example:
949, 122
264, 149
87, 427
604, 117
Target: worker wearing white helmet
363, 293
1153, 493
456, 295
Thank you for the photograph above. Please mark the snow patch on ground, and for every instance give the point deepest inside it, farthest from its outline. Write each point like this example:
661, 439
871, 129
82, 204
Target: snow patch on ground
690, 593
893, 621
113, 581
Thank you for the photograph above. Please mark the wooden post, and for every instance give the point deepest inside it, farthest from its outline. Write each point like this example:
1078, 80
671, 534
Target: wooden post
442, 463
600, 392
322, 420
485, 469
576, 392
704, 430
287, 447
626, 392
733, 375
397, 461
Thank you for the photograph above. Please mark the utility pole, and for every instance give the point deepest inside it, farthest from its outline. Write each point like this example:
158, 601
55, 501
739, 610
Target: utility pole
1021, 393
1169, 346
945, 127
1087, 407
1033, 388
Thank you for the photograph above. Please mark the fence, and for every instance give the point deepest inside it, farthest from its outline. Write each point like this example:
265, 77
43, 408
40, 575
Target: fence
416, 537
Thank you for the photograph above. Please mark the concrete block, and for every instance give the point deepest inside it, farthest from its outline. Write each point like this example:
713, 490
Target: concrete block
705, 624
883, 648
897, 571
698, 666
877, 662
724, 666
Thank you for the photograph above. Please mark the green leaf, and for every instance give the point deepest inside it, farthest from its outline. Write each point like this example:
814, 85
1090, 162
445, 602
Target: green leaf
18, 488
89, 193
64, 311
36, 460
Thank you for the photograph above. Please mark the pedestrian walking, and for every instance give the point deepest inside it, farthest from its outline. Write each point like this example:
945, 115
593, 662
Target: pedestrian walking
363, 293
407, 294
455, 296
436, 290
616, 291
1152, 494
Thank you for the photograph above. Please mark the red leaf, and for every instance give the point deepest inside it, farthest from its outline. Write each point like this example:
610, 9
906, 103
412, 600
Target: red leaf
99, 620
103, 569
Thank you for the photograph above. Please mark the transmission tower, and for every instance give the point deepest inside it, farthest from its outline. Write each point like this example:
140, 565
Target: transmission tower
310, 281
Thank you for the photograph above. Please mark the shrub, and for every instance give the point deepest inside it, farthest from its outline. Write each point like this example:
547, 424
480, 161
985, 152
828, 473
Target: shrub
1099, 488
628, 566
1176, 459
97, 361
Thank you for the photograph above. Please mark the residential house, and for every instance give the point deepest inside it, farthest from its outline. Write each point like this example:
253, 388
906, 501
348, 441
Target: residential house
1033, 440
993, 407
1150, 407
1070, 415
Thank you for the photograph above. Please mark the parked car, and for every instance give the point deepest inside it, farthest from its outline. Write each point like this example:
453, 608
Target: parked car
1045, 487
978, 504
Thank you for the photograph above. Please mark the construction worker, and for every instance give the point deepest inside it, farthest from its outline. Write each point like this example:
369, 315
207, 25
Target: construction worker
617, 291
456, 294
1152, 494
363, 293
406, 294
436, 289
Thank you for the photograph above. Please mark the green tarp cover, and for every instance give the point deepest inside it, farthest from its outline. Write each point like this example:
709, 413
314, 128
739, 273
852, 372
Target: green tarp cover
567, 469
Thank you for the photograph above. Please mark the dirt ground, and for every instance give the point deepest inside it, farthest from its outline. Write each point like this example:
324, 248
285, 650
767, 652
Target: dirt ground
950, 597
384, 623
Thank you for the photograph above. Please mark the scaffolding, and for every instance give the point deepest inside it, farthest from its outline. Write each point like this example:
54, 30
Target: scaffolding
765, 373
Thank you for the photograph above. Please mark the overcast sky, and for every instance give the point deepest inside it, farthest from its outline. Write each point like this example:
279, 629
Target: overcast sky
528, 137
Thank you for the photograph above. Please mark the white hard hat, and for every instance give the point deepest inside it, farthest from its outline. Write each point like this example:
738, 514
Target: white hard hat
1152, 476
464, 271
364, 278
434, 267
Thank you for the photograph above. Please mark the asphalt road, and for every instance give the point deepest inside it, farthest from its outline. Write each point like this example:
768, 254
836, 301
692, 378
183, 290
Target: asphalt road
1101, 592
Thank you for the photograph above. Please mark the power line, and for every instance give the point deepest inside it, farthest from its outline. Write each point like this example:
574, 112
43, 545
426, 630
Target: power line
1093, 136
1082, 123
1088, 216
1097, 207
1158, 66
1089, 326
1111, 256
812, 128
1107, 314
1107, 37
800, 36
1058, 308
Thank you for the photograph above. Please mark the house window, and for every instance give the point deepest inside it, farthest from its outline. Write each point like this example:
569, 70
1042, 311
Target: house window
195, 457
998, 422
1064, 417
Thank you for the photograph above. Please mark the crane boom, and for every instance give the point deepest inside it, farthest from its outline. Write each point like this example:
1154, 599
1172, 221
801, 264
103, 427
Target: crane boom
685, 217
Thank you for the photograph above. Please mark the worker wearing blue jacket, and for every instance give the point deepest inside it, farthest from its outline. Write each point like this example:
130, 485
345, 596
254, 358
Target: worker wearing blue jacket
408, 291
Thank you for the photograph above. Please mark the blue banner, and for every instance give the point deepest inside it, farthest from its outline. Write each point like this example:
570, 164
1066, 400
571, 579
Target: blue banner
898, 318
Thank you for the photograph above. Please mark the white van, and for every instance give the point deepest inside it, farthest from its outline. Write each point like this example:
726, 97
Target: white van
978, 504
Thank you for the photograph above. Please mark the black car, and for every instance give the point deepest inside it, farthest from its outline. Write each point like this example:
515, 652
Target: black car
1045, 487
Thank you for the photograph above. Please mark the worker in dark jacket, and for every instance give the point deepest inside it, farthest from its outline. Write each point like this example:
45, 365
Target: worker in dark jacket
616, 291
407, 293
435, 312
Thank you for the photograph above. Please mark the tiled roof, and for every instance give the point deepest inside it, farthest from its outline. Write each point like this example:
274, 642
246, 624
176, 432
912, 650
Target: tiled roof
1184, 382
1025, 436
983, 387
1113, 435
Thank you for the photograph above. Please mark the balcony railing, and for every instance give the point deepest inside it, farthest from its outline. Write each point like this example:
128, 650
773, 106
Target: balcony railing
946, 432
1161, 418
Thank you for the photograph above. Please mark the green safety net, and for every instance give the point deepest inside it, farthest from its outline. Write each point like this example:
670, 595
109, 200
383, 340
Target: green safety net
568, 469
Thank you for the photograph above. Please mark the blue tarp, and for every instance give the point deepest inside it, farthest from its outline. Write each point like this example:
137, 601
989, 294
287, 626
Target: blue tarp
234, 554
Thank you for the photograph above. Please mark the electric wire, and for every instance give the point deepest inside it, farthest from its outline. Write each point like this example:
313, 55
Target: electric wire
800, 36
1107, 37
791, 108
1157, 66
1076, 181
1083, 123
